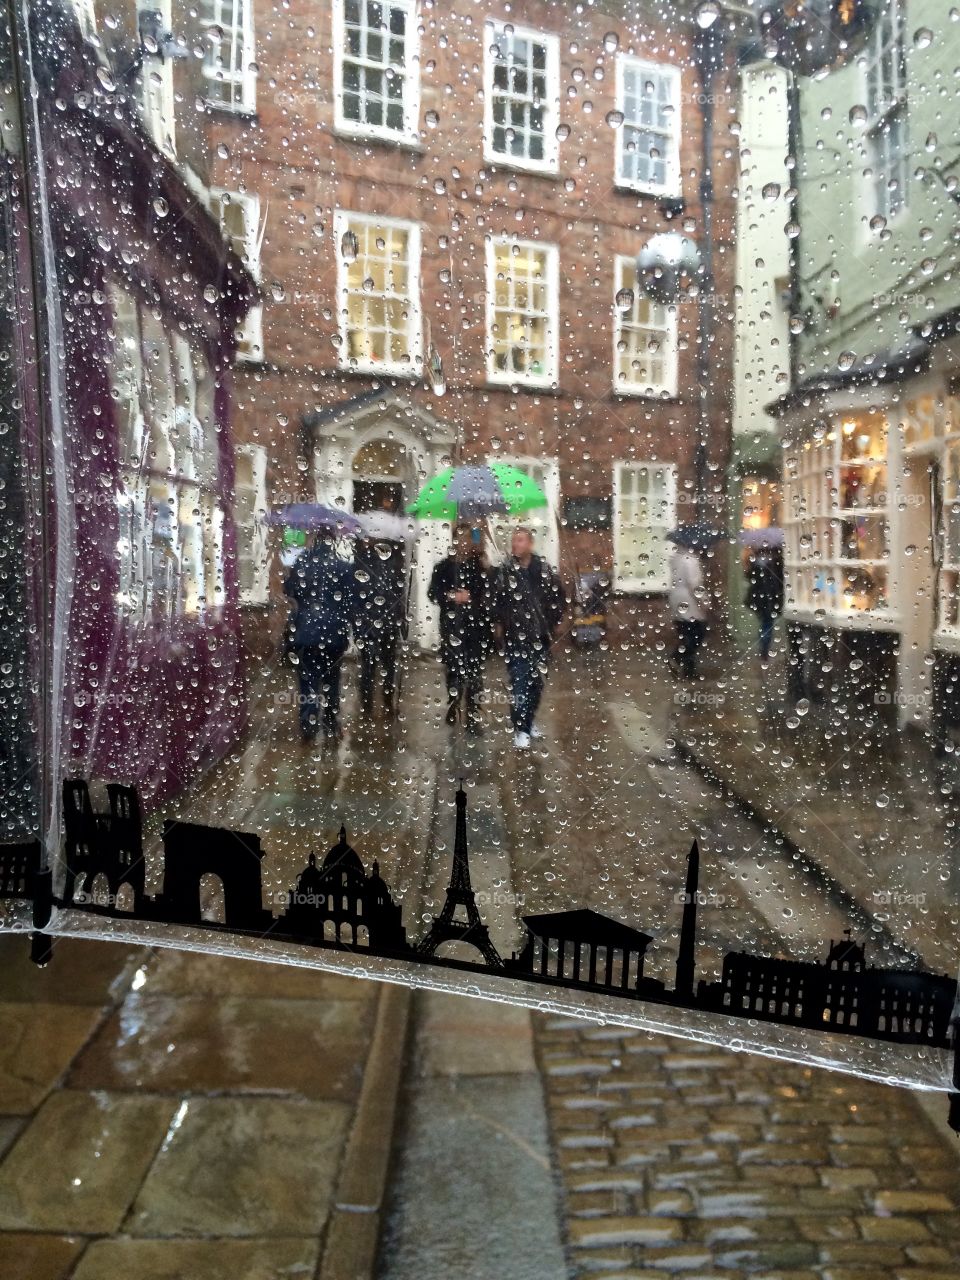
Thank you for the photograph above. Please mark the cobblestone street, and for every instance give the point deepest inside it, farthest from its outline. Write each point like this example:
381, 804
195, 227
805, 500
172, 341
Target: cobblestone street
682, 1160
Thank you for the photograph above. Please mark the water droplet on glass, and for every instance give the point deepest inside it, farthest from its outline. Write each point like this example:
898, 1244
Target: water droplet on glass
432, 119
846, 360
611, 42
922, 38
625, 299
160, 207
562, 131
349, 247
858, 114
614, 119
771, 190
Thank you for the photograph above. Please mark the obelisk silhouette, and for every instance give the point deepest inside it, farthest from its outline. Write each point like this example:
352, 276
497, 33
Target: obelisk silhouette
686, 958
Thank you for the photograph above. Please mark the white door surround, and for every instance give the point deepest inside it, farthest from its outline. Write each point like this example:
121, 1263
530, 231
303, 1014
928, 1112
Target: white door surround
338, 435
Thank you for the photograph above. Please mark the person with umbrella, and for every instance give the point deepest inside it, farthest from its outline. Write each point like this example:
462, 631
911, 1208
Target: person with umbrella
528, 609
764, 574
322, 584
460, 588
465, 495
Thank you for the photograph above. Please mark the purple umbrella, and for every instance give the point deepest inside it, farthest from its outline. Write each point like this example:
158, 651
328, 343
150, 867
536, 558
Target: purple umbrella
314, 515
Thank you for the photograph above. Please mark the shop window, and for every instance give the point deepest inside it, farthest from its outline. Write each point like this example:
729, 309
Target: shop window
250, 505
648, 140
887, 122
229, 67
644, 511
837, 520
376, 84
522, 317
522, 89
645, 338
949, 578
379, 290
169, 457
238, 213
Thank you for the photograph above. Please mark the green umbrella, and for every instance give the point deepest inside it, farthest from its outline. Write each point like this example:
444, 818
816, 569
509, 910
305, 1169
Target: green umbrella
465, 493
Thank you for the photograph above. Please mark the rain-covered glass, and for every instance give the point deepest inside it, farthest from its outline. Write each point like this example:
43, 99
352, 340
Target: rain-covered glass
453, 461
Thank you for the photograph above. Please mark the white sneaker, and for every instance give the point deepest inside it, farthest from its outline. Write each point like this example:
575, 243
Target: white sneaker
536, 733
521, 741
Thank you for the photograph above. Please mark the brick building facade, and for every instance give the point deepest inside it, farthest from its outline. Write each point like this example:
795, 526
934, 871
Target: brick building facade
572, 136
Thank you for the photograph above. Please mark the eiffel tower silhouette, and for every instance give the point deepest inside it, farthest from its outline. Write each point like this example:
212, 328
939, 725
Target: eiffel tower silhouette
447, 927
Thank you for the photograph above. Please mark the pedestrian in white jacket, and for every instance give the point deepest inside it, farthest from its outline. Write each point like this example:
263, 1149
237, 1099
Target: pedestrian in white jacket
688, 608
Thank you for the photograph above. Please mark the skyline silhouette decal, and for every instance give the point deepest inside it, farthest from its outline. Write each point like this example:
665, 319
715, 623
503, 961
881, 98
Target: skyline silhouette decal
335, 903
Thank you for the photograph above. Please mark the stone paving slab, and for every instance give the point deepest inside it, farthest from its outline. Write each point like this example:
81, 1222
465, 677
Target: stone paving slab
37, 1043
76, 1166
30, 1256
275, 1258
312, 1048
679, 1160
244, 1166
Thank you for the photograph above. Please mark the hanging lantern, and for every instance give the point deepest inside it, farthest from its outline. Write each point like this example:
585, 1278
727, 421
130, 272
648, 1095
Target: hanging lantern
668, 266
807, 36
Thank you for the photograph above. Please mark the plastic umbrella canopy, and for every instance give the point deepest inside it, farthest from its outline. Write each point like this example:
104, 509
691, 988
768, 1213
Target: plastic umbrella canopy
314, 515
467, 492
772, 537
697, 536
387, 526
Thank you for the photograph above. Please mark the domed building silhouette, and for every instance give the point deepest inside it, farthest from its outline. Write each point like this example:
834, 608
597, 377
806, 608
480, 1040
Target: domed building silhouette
340, 905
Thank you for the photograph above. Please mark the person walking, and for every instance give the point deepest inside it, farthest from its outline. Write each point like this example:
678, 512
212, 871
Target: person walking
529, 604
460, 587
323, 587
378, 619
764, 575
688, 609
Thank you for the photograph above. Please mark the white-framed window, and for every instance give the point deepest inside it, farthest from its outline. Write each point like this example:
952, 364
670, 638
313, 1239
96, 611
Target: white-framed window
887, 124
376, 69
648, 140
521, 97
249, 511
522, 312
545, 472
238, 213
644, 511
168, 446
644, 338
379, 293
229, 67
837, 518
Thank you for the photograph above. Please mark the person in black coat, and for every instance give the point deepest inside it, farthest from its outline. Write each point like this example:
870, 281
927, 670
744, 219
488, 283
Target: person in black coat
460, 587
764, 574
528, 608
379, 618
322, 585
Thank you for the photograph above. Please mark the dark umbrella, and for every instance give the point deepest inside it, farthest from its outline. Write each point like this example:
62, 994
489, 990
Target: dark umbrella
696, 536
314, 515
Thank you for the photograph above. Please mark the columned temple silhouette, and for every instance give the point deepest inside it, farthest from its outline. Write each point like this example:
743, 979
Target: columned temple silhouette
336, 904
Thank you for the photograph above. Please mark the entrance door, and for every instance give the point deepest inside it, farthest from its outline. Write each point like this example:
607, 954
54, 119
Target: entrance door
377, 495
